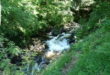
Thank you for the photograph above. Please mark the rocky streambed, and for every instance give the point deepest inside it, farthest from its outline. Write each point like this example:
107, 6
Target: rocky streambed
52, 47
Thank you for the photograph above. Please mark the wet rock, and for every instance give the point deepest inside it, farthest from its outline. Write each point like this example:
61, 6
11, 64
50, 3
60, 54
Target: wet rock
72, 38
40, 59
50, 54
16, 60
71, 27
37, 46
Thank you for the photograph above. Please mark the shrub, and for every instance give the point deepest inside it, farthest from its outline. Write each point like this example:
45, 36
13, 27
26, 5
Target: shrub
96, 20
8, 51
21, 19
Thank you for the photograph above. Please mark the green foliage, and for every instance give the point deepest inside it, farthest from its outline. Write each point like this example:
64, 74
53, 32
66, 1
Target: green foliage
94, 58
79, 4
23, 18
7, 51
96, 20
95, 47
96, 54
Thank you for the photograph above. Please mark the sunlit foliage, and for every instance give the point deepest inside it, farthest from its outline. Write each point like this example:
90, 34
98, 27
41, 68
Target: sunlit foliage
24, 18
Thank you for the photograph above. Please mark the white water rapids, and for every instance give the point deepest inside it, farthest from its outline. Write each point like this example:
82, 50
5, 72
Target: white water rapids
59, 43
52, 46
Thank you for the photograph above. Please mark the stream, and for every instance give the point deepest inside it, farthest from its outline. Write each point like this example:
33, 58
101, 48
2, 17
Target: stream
52, 48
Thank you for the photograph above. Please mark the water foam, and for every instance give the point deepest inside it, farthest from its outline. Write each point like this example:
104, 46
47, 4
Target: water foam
59, 43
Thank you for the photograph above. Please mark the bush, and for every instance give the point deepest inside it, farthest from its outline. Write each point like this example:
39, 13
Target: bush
95, 54
8, 51
96, 20
21, 19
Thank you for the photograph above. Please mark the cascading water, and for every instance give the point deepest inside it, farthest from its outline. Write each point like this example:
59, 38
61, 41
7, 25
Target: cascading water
56, 45
59, 43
